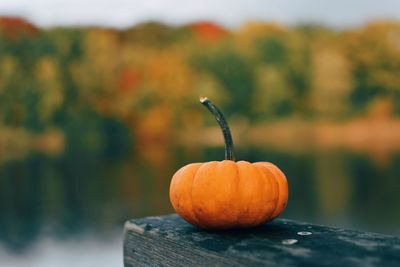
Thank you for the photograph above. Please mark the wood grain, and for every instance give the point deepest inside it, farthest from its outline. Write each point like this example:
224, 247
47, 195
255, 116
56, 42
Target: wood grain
170, 241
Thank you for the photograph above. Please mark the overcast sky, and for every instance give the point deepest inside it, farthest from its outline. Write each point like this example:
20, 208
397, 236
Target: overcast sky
231, 13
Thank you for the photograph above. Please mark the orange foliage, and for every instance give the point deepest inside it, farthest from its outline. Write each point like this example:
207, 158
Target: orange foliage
13, 26
169, 74
128, 79
153, 134
208, 31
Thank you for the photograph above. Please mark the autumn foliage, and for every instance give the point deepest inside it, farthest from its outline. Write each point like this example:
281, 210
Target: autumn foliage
13, 26
145, 76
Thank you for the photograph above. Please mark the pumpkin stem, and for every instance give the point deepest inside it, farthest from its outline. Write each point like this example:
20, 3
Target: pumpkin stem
229, 155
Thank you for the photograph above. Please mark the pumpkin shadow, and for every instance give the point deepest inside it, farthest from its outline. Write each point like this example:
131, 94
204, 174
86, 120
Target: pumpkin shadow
221, 240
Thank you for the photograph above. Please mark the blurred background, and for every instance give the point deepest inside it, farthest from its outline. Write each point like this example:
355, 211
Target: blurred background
99, 107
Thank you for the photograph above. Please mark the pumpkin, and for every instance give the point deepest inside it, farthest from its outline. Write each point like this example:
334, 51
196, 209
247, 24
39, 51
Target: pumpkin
228, 194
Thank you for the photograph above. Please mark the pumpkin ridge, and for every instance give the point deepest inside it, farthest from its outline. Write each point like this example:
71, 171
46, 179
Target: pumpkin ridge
261, 214
195, 177
183, 205
278, 191
273, 182
246, 208
238, 201
282, 185
278, 176
240, 211
226, 165
191, 196
191, 212
277, 188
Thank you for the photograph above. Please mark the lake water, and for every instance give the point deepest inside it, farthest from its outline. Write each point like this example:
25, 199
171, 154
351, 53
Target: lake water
69, 211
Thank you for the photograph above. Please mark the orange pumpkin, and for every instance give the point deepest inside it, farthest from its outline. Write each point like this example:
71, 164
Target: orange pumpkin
228, 194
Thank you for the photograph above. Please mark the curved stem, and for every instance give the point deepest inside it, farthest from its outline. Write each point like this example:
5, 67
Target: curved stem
229, 155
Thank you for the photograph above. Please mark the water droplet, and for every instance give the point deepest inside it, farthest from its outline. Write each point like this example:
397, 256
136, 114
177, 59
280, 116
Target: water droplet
289, 241
304, 233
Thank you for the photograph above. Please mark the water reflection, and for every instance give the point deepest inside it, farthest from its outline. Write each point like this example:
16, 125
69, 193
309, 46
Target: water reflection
66, 197
83, 252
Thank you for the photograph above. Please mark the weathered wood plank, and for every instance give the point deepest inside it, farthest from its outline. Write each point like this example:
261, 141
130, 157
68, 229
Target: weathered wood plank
170, 241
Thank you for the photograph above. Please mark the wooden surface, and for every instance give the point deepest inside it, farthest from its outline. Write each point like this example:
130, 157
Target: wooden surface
170, 241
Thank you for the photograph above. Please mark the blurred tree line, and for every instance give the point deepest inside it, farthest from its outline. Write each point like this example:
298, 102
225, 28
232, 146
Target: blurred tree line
101, 86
